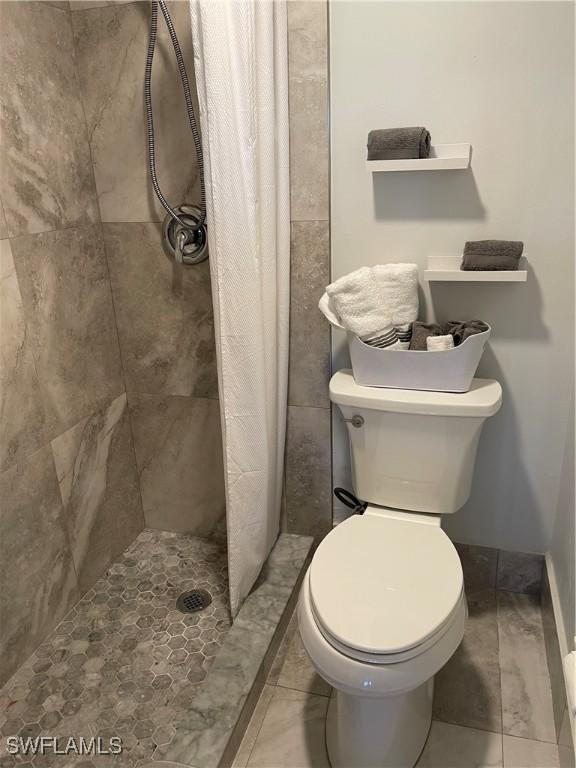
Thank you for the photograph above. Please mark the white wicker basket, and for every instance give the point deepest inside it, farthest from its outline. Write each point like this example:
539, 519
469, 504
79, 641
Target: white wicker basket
450, 370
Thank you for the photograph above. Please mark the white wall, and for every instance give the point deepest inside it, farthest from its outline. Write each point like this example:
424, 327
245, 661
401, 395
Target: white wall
499, 75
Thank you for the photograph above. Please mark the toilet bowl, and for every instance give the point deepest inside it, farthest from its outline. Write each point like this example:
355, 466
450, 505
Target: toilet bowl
381, 610
382, 606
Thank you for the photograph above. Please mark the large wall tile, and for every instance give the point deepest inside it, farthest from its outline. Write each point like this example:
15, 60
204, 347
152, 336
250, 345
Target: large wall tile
308, 471
309, 330
68, 306
308, 38
98, 479
3, 225
37, 579
111, 45
179, 453
22, 423
309, 158
47, 180
527, 708
164, 315
473, 668
83, 5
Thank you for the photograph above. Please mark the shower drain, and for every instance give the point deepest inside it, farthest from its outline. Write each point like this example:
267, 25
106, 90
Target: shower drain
194, 600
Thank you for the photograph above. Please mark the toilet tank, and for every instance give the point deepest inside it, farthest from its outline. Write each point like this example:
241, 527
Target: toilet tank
411, 449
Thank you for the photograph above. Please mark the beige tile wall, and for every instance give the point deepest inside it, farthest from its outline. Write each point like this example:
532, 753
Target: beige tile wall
108, 391
308, 485
69, 492
163, 313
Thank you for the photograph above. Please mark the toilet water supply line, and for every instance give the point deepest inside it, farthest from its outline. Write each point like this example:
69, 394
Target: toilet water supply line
187, 222
349, 500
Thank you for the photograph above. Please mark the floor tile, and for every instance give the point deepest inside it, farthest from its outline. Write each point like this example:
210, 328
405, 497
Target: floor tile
278, 663
452, 746
125, 661
254, 726
297, 671
520, 572
526, 753
526, 692
292, 734
479, 566
474, 667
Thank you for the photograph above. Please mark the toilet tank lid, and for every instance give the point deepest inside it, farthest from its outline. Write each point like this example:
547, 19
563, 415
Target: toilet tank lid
482, 399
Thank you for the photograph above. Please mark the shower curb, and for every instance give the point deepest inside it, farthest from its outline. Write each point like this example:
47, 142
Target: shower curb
220, 712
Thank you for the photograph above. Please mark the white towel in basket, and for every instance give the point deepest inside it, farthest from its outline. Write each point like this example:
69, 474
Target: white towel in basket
439, 343
378, 304
356, 299
399, 291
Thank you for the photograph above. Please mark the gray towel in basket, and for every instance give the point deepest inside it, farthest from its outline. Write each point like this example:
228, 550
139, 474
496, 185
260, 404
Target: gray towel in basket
460, 330
421, 331
398, 144
486, 255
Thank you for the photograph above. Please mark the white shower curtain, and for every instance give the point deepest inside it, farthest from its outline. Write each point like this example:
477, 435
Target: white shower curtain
240, 53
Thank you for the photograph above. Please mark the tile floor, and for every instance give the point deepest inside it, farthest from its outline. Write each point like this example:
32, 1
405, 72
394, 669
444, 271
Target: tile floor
492, 705
124, 661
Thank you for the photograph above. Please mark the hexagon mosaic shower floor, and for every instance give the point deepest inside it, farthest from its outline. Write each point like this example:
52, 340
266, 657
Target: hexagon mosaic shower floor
124, 662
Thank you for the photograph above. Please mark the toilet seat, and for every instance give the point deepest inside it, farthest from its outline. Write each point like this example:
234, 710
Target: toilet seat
385, 589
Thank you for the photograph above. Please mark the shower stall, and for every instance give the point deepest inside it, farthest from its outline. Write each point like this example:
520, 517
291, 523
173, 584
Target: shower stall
143, 577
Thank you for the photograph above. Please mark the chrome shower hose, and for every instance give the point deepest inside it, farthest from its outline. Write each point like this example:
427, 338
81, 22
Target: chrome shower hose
180, 230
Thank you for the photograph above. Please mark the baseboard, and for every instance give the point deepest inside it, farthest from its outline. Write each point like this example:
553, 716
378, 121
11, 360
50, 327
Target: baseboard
561, 633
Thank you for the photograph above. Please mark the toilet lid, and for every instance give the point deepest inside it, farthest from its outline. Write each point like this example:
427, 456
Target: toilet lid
384, 585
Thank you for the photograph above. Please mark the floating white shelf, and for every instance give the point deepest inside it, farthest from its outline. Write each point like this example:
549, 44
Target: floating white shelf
447, 269
443, 157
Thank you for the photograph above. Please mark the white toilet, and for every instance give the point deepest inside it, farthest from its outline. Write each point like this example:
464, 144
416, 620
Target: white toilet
382, 606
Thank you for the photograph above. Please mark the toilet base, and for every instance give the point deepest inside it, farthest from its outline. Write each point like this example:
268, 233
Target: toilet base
372, 732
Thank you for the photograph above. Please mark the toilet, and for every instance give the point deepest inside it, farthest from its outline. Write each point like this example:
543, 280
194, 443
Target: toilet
382, 606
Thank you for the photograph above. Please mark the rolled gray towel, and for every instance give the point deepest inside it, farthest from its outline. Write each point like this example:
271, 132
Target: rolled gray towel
398, 144
491, 255
421, 331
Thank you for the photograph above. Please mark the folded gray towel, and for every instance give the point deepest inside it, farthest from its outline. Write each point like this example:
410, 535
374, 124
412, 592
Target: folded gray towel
492, 255
421, 331
398, 144
460, 330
